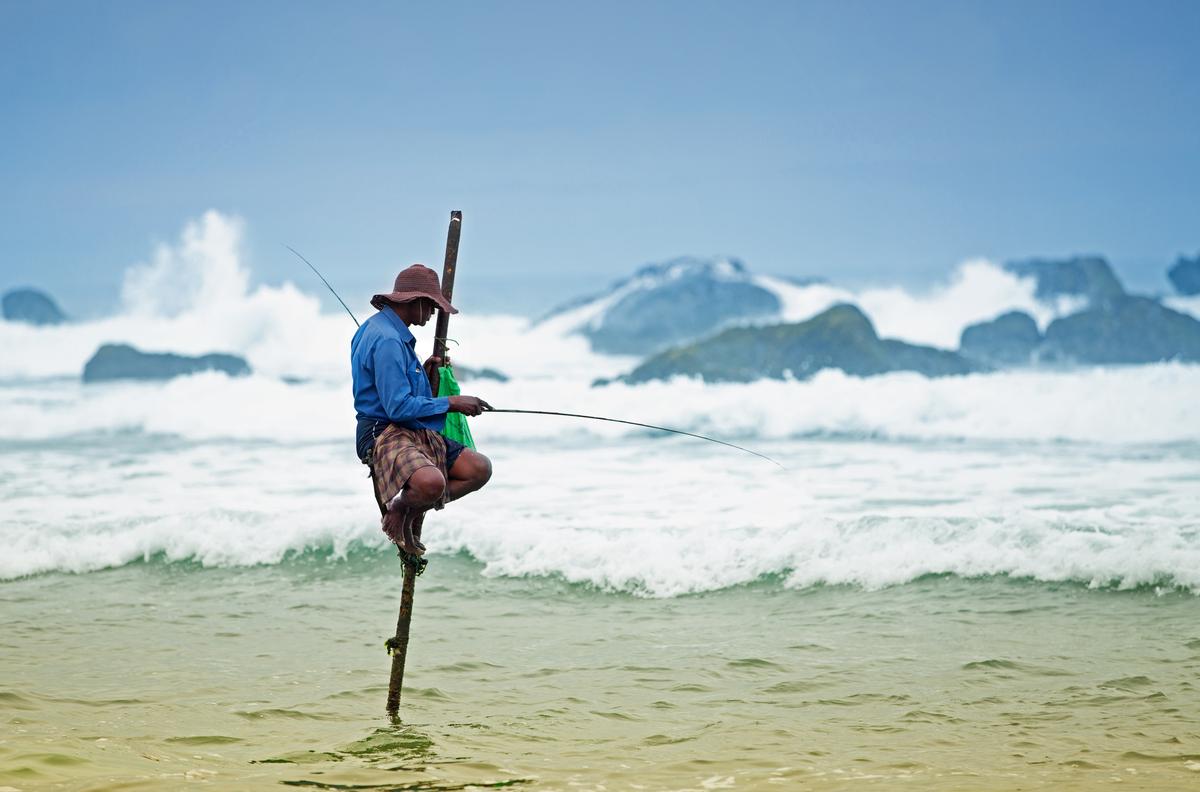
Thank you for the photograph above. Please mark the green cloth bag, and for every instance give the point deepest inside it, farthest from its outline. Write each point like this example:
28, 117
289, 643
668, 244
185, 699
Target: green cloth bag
456, 423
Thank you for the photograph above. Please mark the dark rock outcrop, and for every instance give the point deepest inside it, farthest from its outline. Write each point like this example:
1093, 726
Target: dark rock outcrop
1089, 277
121, 361
1185, 276
1007, 340
841, 337
678, 301
1124, 330
31, 307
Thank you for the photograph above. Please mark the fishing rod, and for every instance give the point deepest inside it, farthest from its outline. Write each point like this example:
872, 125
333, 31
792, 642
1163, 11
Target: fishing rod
563, 414
322, 277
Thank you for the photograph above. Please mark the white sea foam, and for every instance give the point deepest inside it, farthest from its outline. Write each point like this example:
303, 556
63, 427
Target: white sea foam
889, 478
1143, 404
657, 518
666, 523
977, 291
216, 504
1187, 305
194, 298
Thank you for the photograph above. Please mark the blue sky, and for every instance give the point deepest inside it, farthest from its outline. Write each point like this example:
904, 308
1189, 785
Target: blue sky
861, 141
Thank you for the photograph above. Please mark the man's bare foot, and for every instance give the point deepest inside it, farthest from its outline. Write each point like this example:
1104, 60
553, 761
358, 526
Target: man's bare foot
398, 525
411, 544
418, 522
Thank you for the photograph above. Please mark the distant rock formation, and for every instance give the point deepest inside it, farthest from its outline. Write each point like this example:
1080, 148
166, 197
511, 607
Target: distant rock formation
1008, 340
671, 303
31, 307
463, 374
1088, 277
1124, 330
1185, 276
121, 361
841, 337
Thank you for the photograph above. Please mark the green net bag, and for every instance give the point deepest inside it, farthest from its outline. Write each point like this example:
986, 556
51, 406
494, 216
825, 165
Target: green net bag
456, 423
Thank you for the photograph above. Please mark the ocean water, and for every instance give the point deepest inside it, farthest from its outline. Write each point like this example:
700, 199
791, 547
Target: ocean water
154, 675
980, 582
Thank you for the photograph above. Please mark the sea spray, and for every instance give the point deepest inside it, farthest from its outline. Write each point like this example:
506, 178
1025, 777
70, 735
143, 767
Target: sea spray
653, 517
195, 297
1078, 475
1142, 404
976, 291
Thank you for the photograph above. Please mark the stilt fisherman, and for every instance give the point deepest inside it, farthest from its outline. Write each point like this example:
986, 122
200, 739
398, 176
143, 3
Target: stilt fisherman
413, 466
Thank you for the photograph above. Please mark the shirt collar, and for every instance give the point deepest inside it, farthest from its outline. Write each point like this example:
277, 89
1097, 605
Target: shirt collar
405, 334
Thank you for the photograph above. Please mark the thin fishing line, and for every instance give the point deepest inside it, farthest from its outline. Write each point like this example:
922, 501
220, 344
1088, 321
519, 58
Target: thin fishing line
644, 425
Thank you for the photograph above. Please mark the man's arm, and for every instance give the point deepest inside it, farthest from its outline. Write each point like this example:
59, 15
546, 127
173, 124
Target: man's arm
399, 401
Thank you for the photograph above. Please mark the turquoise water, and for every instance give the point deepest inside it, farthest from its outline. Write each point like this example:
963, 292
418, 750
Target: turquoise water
153, 675
983, 582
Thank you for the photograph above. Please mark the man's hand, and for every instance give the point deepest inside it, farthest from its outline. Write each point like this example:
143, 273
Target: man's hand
468, 405
434, 360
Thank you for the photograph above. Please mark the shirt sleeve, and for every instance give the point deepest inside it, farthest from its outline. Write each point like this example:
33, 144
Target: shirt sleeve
396, 394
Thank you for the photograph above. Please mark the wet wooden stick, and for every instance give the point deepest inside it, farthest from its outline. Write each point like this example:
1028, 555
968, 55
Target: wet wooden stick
398, 646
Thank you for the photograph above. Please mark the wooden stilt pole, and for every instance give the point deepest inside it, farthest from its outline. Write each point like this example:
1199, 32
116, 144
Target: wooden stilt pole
398, 646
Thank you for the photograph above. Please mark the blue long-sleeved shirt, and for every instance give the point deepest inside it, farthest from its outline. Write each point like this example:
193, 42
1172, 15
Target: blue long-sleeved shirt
389, 384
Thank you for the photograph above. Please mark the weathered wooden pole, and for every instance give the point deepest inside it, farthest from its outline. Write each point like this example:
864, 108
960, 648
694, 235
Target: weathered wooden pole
413, 565
448, 269
398, 646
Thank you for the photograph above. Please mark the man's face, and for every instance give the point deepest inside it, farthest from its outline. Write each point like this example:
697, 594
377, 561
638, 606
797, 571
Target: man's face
425, 309
415, 312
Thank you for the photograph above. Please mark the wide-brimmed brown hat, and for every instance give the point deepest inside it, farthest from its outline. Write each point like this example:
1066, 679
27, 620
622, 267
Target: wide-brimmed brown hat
414, 283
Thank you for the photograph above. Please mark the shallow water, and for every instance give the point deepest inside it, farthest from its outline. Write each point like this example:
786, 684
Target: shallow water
154, 674
610, 613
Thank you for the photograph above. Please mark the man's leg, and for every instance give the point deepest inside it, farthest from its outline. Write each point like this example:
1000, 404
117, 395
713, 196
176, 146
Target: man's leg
424, 488
470, 472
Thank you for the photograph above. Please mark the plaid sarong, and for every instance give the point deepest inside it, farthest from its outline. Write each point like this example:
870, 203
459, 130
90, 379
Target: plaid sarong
400, 452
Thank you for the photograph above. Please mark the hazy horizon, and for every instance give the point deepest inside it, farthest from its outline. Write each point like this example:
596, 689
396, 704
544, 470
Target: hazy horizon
860, 142
480, 289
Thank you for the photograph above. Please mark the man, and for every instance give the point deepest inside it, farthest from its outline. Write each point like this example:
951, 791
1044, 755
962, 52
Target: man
413, 466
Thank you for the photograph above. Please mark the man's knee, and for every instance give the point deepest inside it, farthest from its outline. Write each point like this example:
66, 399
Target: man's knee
426, 485
481, 469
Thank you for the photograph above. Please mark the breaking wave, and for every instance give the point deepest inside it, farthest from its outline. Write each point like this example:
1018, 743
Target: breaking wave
1079, 475
977, 291
194, 298
1143, 404
653, 519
